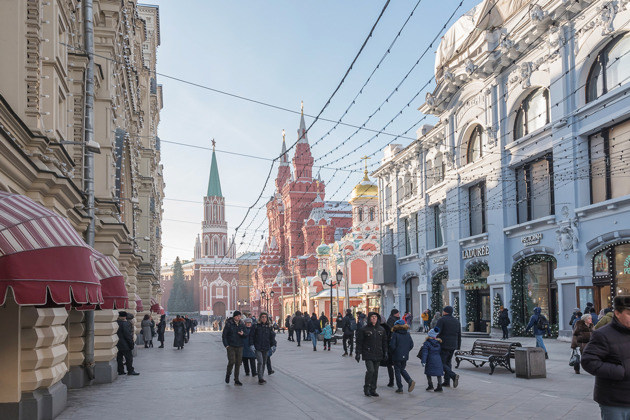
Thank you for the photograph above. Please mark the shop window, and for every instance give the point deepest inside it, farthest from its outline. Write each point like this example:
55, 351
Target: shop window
622, 270
609, 151
533, 113
539, 288
474, 149
534, 190
477, 209
610, 70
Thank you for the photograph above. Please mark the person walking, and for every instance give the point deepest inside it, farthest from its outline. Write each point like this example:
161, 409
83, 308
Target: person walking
313, 330
394, 316
430, 355
161, 327
399, 347
372, 347
605, 320
298, 326
125, 345
305, 330
233, 343
607, 357
327, 332
322, 318
435, 319
179, 332
264, 339
147, 332
541, 327
504, 321
450, 332
338, 321
574, 317
388, 362
349, 327
361, 320
289, 326
249, 355
581, 336
426, 321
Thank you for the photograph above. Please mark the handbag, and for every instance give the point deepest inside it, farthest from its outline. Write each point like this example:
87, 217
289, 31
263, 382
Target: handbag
575, 358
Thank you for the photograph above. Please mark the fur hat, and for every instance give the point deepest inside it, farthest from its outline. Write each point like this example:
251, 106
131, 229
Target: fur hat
434, 332
400, 322
448, 310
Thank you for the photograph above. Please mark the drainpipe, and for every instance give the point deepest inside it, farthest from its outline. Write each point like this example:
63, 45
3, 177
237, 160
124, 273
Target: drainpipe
88, 138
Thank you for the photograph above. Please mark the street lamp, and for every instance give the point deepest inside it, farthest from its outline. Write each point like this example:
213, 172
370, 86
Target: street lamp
331, 283
241, 302
267, 297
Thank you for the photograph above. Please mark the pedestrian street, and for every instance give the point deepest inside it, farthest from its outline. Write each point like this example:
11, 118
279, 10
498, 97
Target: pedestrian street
189, 384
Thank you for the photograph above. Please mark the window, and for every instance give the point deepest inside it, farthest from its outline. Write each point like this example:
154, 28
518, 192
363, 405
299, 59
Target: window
609, 151
360, 213
407, 238
439, 168
430, 174
474, 151
437, 216
371, 214
533, 113
610, 70
534, 190
408, 296
477, 209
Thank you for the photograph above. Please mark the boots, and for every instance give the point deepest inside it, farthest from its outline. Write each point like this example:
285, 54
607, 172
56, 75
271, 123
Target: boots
430, 387
366, 391
439, 385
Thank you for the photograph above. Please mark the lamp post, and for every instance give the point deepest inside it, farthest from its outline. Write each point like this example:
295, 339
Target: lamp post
241, 302
339, 276
267, 297
331, 283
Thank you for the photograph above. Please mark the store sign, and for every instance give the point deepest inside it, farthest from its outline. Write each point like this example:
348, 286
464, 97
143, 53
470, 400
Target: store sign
482, 251
532, 239
440, 260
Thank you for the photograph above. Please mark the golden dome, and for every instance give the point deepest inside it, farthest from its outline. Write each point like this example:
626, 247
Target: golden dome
365, 189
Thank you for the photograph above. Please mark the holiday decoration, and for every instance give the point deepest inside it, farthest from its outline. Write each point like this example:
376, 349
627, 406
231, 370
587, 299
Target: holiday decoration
456, 307
436, 291
473, 281
496, 310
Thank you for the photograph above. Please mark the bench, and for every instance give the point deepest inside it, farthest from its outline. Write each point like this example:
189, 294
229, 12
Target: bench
494, 352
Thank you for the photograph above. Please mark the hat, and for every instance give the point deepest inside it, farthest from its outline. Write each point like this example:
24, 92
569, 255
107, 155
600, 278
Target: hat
394, 311
129, 316
248, 320
448, 310
122, 314
349, 311
621, 302
236, 313
399, 322
434, 332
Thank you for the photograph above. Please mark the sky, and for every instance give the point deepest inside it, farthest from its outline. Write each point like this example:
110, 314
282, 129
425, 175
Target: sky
282, 53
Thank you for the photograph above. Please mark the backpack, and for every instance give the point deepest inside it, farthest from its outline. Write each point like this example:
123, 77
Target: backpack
542, 324
353, 324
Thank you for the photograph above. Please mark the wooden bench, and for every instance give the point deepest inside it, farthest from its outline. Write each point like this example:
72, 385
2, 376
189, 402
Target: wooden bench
494, 352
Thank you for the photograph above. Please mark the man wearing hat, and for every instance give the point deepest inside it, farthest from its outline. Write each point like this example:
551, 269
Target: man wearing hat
125, 345
607, 357
451, 336
233, 343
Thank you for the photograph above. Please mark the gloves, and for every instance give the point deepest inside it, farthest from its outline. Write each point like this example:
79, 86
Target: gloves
422, 364
273, 349
253, 349
358, 358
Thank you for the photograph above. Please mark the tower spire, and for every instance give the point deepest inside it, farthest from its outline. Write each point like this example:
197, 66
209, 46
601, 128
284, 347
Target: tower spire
365, 172
303, 138
214, 183
284, 160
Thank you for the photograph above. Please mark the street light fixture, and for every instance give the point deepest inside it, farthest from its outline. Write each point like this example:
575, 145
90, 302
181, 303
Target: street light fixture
267, 297
241, 302
331, 283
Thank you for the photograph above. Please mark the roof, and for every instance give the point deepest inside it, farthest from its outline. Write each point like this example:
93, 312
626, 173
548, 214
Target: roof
214, 183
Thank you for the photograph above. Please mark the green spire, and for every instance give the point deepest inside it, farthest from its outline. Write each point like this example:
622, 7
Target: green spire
214, 184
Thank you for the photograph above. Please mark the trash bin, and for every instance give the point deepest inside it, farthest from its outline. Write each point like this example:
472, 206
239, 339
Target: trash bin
530, 362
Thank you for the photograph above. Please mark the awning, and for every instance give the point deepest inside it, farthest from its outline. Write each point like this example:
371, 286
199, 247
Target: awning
155, 307
139, 307
41, 253
112, 283
325, 294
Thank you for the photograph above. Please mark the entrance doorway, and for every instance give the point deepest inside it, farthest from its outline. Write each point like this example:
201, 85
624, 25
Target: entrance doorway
481, 309
598, 294
218, 309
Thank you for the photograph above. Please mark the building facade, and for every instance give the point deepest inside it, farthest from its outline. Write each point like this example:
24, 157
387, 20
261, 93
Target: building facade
518, 190
43, 156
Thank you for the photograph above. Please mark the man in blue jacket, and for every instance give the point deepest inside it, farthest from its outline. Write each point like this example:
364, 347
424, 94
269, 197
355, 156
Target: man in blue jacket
541, 327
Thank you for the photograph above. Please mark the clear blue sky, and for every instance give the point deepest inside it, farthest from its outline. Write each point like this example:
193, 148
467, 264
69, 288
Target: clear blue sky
280, 52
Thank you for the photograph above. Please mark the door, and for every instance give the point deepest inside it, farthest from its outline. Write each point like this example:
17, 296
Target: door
219, 309
585, 294
482, 309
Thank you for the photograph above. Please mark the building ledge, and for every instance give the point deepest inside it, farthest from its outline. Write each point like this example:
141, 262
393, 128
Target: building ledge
436, 251
483, 237
612, 204
407, 258
529, 226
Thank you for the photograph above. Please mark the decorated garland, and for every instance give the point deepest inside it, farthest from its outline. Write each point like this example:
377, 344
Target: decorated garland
519, 321
456, 307
436, 291
472, 281
496, 310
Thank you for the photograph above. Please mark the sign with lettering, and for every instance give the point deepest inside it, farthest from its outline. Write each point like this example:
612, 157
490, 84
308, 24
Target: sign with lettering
482, 251
440, 260
532, 239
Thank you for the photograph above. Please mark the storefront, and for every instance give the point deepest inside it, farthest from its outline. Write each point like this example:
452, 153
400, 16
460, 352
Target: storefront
611, 277
439, 293
478, 305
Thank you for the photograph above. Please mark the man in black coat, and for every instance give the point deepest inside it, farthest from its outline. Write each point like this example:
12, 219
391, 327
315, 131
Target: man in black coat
348, 332
263, 340
289, 326
233, 343
607, 357
394, 316
125, 345
298, 326
451, 336
372, 346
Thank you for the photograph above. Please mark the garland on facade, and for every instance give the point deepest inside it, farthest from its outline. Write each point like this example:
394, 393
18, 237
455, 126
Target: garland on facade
496, 310
456, 307
471, 307
473, 280
518, 292
436, 291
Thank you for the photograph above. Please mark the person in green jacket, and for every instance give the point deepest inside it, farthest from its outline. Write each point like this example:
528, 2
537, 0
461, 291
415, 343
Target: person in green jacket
608, 316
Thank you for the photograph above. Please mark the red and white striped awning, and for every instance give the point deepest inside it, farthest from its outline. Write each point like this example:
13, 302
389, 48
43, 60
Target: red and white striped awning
41, 253
155, 307
112, 283
139, 307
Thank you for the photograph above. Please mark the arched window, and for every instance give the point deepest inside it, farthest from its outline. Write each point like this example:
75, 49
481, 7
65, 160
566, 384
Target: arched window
360, 212
473, 152
611, 68
216, 247
429, 174
371, 214
533, 113
207, 246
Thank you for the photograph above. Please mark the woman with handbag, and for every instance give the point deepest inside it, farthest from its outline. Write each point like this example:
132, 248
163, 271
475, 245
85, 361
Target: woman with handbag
581, 336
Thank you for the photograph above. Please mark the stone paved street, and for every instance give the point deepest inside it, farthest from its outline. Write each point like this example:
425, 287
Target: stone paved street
324, 385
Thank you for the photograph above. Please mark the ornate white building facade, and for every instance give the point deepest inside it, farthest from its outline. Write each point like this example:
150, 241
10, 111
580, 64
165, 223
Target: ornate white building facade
520, 189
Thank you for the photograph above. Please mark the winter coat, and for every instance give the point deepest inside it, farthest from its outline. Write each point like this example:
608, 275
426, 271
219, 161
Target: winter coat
504, 319
435, 319
391, 320
263, 338
361, 320
125, 336
347, 320
313, 326
298, 323
287, 322
231, 336
607, 357
161, 327
388, 332
605, 320
147, 332
401, 343
533, 322
430, 356
450, 332
327, 331
321, 320
581, 335
247, 341
179, 332
372, 341
425, 316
